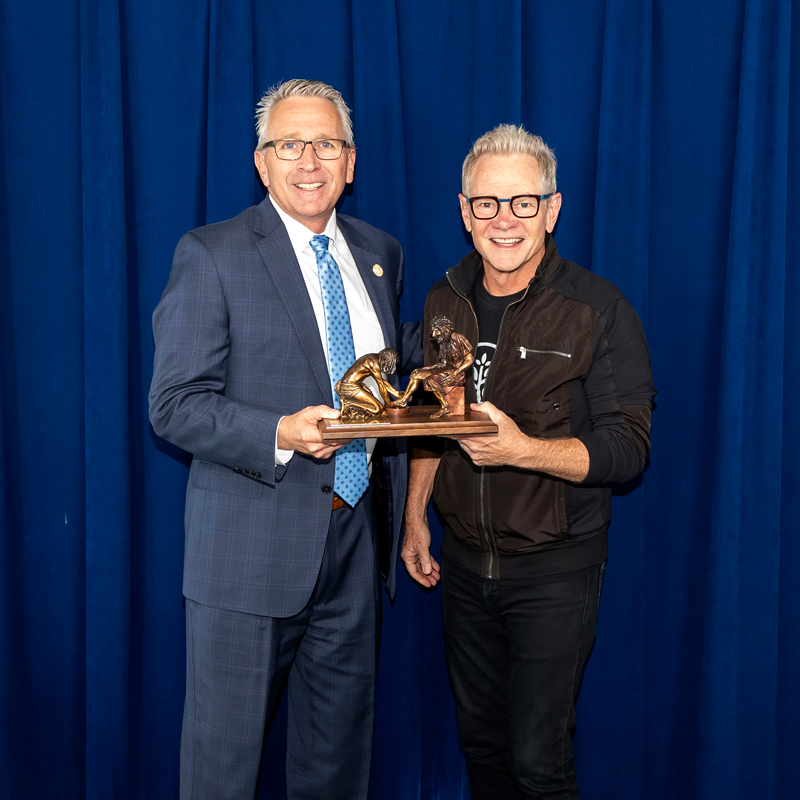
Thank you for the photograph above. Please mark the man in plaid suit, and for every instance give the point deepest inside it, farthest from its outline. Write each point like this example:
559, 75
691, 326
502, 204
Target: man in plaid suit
281, 575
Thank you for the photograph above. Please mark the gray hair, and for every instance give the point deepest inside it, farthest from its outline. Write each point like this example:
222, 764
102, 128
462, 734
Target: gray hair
300, 88
509, 140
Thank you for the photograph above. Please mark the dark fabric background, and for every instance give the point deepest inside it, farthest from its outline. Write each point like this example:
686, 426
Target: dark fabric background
124, 123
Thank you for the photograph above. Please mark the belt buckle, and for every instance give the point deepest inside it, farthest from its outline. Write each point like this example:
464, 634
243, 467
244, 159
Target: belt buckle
337, 502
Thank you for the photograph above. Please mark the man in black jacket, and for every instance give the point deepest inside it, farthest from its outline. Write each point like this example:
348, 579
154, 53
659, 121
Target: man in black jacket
561, 365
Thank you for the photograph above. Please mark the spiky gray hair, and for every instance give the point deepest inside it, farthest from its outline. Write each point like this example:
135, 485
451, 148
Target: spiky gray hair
298, 87
509, 140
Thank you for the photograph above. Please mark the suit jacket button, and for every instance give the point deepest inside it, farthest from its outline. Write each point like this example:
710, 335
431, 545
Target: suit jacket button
327, 488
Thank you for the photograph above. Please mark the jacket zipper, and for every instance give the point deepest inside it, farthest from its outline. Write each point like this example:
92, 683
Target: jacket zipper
484, 524
523, 352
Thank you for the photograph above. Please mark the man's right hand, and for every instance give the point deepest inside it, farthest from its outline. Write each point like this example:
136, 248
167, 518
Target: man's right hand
416, 554
300, 432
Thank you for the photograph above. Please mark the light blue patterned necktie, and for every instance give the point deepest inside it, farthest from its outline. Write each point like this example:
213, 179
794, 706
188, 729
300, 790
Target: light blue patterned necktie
352, 476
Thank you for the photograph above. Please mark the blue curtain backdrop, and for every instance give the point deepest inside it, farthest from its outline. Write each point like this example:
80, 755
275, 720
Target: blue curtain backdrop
124, 123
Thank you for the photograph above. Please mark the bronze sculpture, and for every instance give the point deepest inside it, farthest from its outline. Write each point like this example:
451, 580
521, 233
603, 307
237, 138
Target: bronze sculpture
447, 378
358, 403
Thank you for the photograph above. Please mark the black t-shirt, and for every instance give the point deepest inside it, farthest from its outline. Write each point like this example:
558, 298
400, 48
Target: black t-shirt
489, 309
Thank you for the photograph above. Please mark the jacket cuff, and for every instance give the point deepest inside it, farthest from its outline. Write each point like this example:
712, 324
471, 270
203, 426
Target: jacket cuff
601, 459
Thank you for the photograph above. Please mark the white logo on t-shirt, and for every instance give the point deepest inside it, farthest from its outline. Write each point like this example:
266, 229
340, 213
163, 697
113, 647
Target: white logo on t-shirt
484, 353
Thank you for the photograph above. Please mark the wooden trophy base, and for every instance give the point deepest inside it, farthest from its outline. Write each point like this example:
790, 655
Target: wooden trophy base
416, 422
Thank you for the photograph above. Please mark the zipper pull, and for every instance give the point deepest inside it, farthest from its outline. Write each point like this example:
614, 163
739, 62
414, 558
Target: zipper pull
522, 352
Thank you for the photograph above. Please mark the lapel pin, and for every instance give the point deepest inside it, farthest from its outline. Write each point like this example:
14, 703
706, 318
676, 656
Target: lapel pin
377, 269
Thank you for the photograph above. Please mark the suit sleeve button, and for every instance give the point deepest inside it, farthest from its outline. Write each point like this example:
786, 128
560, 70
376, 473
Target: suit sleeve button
327, 488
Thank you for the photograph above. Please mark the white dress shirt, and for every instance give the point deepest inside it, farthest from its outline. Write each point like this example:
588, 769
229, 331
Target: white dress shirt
367, 333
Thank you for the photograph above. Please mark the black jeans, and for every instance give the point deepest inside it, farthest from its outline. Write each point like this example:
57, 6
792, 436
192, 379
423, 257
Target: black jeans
516, 653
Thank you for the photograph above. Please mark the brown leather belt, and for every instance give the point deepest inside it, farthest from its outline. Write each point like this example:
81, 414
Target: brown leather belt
337, 502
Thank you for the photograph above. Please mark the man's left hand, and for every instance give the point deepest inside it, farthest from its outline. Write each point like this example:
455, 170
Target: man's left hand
501, 449
565, 458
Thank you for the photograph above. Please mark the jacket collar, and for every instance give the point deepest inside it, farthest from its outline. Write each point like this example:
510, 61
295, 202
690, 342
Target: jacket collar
266, 218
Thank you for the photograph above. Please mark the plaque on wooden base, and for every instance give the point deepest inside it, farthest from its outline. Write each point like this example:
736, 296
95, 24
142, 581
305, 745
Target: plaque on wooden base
417, 422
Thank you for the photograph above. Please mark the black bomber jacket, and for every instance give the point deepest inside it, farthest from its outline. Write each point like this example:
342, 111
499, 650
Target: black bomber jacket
571, 361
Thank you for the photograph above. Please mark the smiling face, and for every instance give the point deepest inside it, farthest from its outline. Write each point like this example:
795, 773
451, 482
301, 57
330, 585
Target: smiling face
306, 189
512, 248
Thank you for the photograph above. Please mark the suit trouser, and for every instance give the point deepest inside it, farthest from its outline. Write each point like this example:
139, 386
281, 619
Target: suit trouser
516, 653
237, 665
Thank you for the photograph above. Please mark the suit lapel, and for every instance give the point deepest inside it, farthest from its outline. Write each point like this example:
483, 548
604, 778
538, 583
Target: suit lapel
284, 272
378, 287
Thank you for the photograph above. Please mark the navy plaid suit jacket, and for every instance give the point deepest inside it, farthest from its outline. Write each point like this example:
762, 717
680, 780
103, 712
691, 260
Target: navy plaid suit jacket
237, 347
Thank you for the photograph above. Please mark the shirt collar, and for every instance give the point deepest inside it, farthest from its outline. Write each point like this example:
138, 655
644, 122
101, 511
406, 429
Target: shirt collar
299, 235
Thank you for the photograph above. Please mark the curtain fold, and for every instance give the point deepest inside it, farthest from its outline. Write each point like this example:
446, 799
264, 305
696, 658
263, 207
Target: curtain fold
622, 192
378, 109
741, 642
788, 687
496, 39
106, 332
230, 119
123, 125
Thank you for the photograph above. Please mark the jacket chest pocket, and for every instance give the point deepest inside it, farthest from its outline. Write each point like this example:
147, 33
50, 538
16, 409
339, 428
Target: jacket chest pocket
537, 391
542, 367
542, 352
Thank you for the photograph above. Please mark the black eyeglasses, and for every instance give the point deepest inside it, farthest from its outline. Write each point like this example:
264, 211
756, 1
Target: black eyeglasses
293, 149
523, 206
